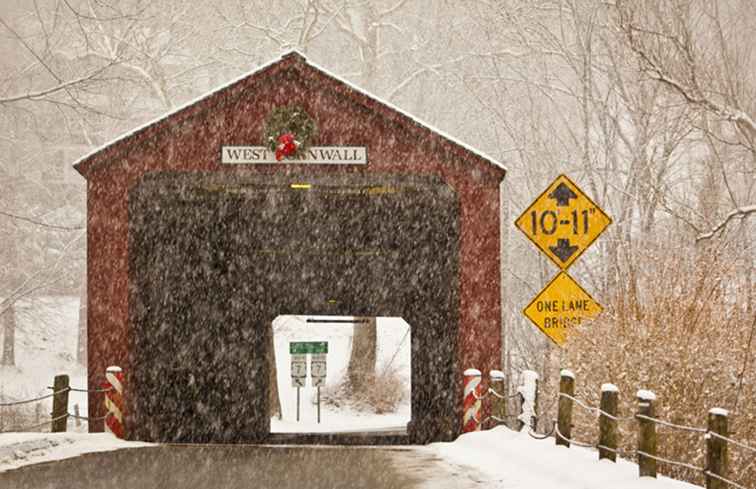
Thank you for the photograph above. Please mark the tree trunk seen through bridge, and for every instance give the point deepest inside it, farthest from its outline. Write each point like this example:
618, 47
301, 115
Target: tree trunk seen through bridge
361, 368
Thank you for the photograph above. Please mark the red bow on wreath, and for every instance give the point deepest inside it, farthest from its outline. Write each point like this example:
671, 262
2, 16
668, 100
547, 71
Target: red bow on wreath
287, 146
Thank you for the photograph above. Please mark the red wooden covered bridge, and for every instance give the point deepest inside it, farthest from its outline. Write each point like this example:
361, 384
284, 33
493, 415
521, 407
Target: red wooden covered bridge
198, 237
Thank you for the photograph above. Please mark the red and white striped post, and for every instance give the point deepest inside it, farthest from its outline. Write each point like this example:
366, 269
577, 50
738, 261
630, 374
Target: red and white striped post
471, 401
114, 419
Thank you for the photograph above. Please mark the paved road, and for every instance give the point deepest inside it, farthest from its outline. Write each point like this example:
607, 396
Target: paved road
247, 467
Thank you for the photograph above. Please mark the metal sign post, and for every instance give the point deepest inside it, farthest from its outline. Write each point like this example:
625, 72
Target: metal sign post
299, 351
298, 374
318, 373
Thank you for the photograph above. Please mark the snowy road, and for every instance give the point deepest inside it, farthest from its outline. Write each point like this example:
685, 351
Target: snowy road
232, 467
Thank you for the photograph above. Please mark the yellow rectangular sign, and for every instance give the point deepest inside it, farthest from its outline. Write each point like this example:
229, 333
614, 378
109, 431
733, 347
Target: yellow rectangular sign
563, 222
561, 306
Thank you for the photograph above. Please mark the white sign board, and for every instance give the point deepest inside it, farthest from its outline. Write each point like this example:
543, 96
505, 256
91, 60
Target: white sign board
318, 369
298, 370
315, 155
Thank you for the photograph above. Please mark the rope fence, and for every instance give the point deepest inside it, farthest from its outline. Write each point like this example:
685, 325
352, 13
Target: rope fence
35, 426
668, 461
35, 399
669, 424
59, 417
715, 434
573, 441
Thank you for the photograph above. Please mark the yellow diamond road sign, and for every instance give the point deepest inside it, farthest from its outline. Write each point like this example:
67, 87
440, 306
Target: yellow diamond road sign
563, 222
560, 306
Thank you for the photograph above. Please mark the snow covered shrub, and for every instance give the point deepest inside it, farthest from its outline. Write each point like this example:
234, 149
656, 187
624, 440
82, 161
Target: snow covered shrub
682, 326
381, 394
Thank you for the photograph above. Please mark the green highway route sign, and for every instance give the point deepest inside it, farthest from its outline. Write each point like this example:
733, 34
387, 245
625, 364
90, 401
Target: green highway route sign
304, 347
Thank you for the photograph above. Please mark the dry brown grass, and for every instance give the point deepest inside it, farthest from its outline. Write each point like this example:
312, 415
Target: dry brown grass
684, 329
381, 394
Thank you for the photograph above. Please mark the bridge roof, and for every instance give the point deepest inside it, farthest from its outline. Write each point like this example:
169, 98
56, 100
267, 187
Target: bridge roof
290, 60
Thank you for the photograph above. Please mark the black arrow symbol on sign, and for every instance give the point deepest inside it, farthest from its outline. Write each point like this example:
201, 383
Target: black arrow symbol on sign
562, 194
563, 250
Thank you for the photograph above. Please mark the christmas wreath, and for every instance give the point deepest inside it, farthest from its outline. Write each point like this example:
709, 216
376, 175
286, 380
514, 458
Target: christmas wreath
288, 131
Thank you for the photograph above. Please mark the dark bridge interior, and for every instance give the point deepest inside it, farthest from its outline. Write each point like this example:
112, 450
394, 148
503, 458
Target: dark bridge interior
214, 258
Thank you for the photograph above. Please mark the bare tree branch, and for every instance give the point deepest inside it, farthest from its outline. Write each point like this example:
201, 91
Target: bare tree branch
741, 212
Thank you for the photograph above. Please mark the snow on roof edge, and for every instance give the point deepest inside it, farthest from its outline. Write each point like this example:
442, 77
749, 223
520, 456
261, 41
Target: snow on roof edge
178, 109
390, 105
262, 67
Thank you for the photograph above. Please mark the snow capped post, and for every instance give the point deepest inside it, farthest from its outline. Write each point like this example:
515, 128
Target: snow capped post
608, 424
528, 391
564, 417
499, 400
114, 419
716, 449
471, 401
646, 434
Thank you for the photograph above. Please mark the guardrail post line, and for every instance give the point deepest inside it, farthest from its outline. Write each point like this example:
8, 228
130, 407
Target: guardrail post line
498, 403
471, 404
115, 417
564, 417
60, 404
646, 434
608, 426
716, 448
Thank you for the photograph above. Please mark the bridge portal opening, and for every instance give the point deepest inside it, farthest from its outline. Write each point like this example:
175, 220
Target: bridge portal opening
214, 259
367, 388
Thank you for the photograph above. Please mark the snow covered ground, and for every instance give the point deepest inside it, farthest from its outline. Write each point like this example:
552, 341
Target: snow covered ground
496, 459
20, 449
507, 459
46, 340
393, 351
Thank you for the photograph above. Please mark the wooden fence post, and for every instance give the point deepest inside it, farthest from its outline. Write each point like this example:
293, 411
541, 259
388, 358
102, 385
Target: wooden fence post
498, 400
60, 404
646, 434
608, 426
564, 417
716, 448
520, 401
528, 399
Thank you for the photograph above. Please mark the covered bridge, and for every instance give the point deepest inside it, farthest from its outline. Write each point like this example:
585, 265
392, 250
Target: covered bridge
198, 237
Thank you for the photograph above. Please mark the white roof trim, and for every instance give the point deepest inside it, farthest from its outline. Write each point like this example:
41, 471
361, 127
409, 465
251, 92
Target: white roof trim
314, 65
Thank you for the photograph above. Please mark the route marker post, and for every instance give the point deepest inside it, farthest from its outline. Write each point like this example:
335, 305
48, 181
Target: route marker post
299, 351
298, 374
318, 372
